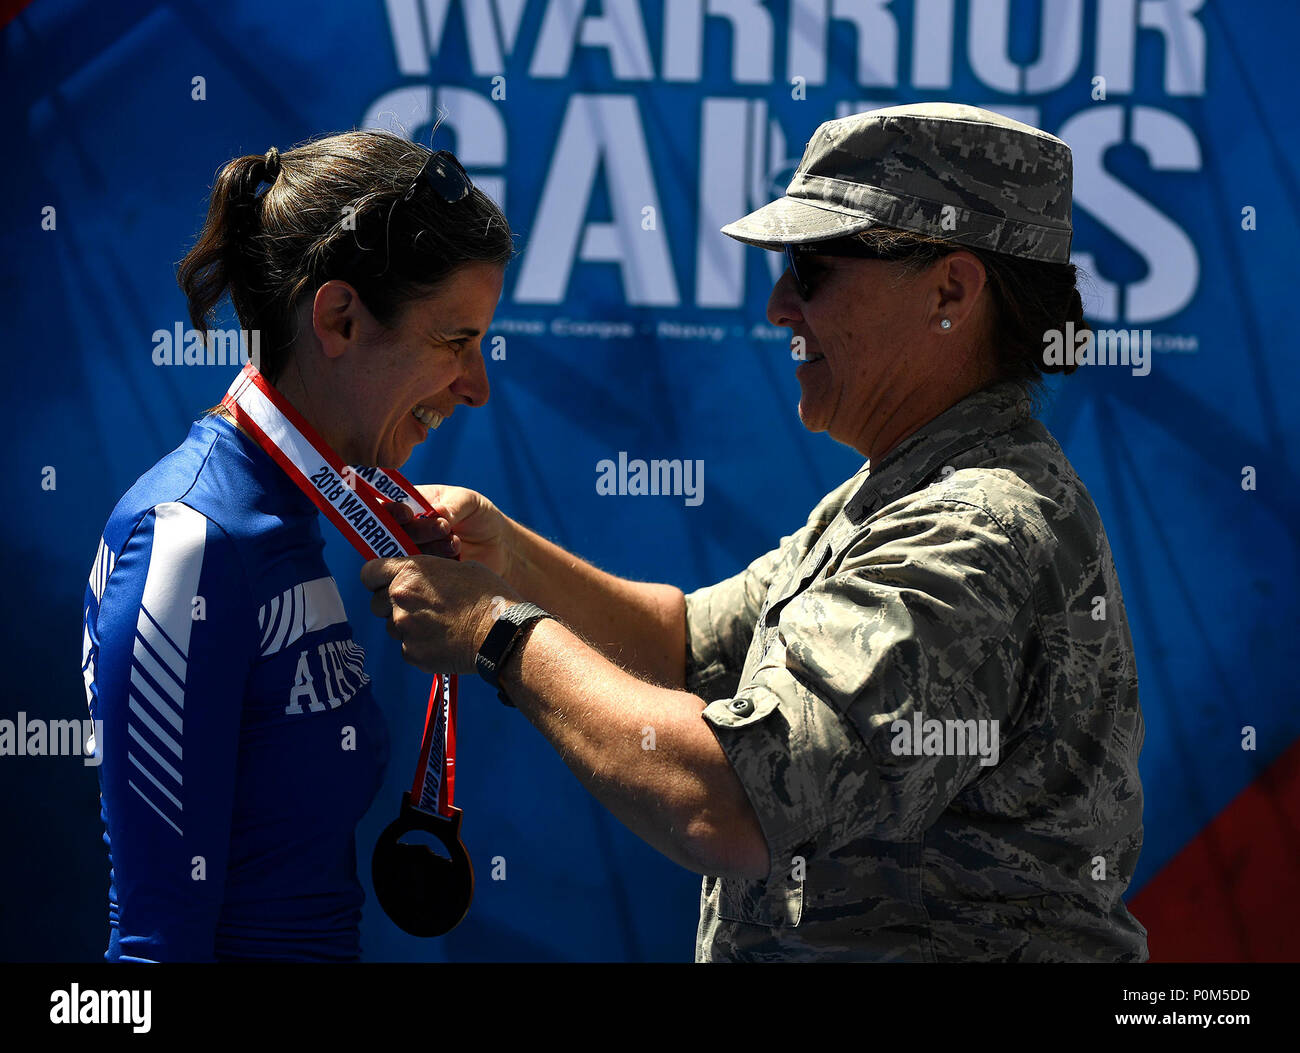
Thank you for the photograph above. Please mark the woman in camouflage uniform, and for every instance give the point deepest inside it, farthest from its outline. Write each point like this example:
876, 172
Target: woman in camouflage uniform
910, 731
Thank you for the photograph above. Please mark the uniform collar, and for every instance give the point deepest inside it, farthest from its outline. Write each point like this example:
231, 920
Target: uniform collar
971, 422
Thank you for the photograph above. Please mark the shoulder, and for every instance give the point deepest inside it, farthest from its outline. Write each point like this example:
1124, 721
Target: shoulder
170, 480
173, 526
216, 476
1020, 491
174, 555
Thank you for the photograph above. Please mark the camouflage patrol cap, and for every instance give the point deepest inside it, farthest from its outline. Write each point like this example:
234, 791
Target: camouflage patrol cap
1008, 183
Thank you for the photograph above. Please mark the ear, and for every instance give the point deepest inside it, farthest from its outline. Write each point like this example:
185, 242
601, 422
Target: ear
336, 317
959, 278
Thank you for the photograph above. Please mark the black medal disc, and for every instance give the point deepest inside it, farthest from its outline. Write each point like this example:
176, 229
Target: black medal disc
423, 893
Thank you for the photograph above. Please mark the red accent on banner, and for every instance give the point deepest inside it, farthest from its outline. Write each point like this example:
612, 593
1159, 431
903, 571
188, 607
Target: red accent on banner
1233, 893
11, 9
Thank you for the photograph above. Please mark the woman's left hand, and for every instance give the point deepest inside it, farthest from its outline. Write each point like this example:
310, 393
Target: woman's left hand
440, 609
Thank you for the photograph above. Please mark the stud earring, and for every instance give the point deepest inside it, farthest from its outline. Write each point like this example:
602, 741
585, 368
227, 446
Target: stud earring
946, 324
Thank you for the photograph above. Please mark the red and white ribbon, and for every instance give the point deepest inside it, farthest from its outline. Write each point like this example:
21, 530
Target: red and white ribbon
353, 500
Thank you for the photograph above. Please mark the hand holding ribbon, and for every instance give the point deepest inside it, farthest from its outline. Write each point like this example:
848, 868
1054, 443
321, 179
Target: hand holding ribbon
430, 532
485, 535
440, 609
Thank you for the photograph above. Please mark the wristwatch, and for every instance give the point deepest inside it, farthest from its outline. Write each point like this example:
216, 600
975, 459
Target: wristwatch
502, 640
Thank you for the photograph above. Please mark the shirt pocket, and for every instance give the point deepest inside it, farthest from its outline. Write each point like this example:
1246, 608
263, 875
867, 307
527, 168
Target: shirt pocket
776, 903
798, 581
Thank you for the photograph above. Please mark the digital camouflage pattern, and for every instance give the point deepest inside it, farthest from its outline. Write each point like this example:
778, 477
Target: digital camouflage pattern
1009, 184
968, 577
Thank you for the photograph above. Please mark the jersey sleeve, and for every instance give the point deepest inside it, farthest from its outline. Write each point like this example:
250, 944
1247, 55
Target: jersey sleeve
175, 640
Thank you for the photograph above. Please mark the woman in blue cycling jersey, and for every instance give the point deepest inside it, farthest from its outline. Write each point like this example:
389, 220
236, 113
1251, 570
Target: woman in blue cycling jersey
241, 743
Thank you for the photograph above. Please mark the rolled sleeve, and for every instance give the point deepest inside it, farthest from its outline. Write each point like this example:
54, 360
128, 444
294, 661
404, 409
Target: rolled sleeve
720, 621
925, 613
720, 618
762, 731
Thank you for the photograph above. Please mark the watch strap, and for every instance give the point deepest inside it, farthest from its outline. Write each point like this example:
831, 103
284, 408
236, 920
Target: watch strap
501, 641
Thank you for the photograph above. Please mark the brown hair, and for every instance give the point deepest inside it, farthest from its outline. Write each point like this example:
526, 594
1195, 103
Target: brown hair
331, 211
1029, 297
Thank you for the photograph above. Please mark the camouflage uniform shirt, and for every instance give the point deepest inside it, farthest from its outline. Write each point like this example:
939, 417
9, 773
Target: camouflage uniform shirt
966, 579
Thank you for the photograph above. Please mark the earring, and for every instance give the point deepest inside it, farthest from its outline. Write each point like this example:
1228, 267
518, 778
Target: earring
946, 324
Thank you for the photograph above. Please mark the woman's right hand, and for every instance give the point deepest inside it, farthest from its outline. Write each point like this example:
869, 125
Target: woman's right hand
467, 524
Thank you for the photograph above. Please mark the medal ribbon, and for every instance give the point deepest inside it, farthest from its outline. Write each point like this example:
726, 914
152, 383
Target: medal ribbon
352, 499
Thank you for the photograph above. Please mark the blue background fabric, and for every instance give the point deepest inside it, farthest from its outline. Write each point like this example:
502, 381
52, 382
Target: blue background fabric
621, 137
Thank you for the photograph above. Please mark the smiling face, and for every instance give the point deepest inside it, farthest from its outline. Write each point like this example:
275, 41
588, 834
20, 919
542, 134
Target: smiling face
878, 359
855, 328
431, 363
378, 390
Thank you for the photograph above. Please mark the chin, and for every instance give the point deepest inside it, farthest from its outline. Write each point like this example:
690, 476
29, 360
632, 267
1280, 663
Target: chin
811, 419
398, 452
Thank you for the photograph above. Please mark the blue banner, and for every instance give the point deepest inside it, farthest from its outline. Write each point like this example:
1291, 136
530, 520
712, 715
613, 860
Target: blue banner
618, 137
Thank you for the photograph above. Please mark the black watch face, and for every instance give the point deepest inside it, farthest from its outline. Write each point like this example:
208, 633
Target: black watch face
500, 639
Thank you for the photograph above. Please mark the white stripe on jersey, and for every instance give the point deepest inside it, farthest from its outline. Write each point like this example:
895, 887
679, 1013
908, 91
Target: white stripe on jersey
161, 814
172, 582
304, 608
88, 663
101, 569
160, 658
149, 632
99, 572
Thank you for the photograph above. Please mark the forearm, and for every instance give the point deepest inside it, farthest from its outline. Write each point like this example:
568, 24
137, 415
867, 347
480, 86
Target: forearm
643, 751
639, 625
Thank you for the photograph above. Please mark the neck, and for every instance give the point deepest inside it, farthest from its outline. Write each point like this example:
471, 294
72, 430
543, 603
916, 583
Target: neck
292, 391
909, 405
308, 400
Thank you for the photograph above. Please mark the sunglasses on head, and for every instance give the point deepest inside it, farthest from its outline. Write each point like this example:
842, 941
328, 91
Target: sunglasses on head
444, 174
797, 258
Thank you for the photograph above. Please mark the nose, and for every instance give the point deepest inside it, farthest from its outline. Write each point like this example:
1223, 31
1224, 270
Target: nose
784, 306
471, 387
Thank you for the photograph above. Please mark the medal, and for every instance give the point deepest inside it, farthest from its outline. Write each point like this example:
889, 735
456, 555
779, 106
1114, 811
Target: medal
425, 894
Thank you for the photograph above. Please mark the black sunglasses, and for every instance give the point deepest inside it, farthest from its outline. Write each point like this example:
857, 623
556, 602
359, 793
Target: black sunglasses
852, 248
445, 175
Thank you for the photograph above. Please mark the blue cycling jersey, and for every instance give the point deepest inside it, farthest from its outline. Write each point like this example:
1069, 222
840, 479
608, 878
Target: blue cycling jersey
241, 743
